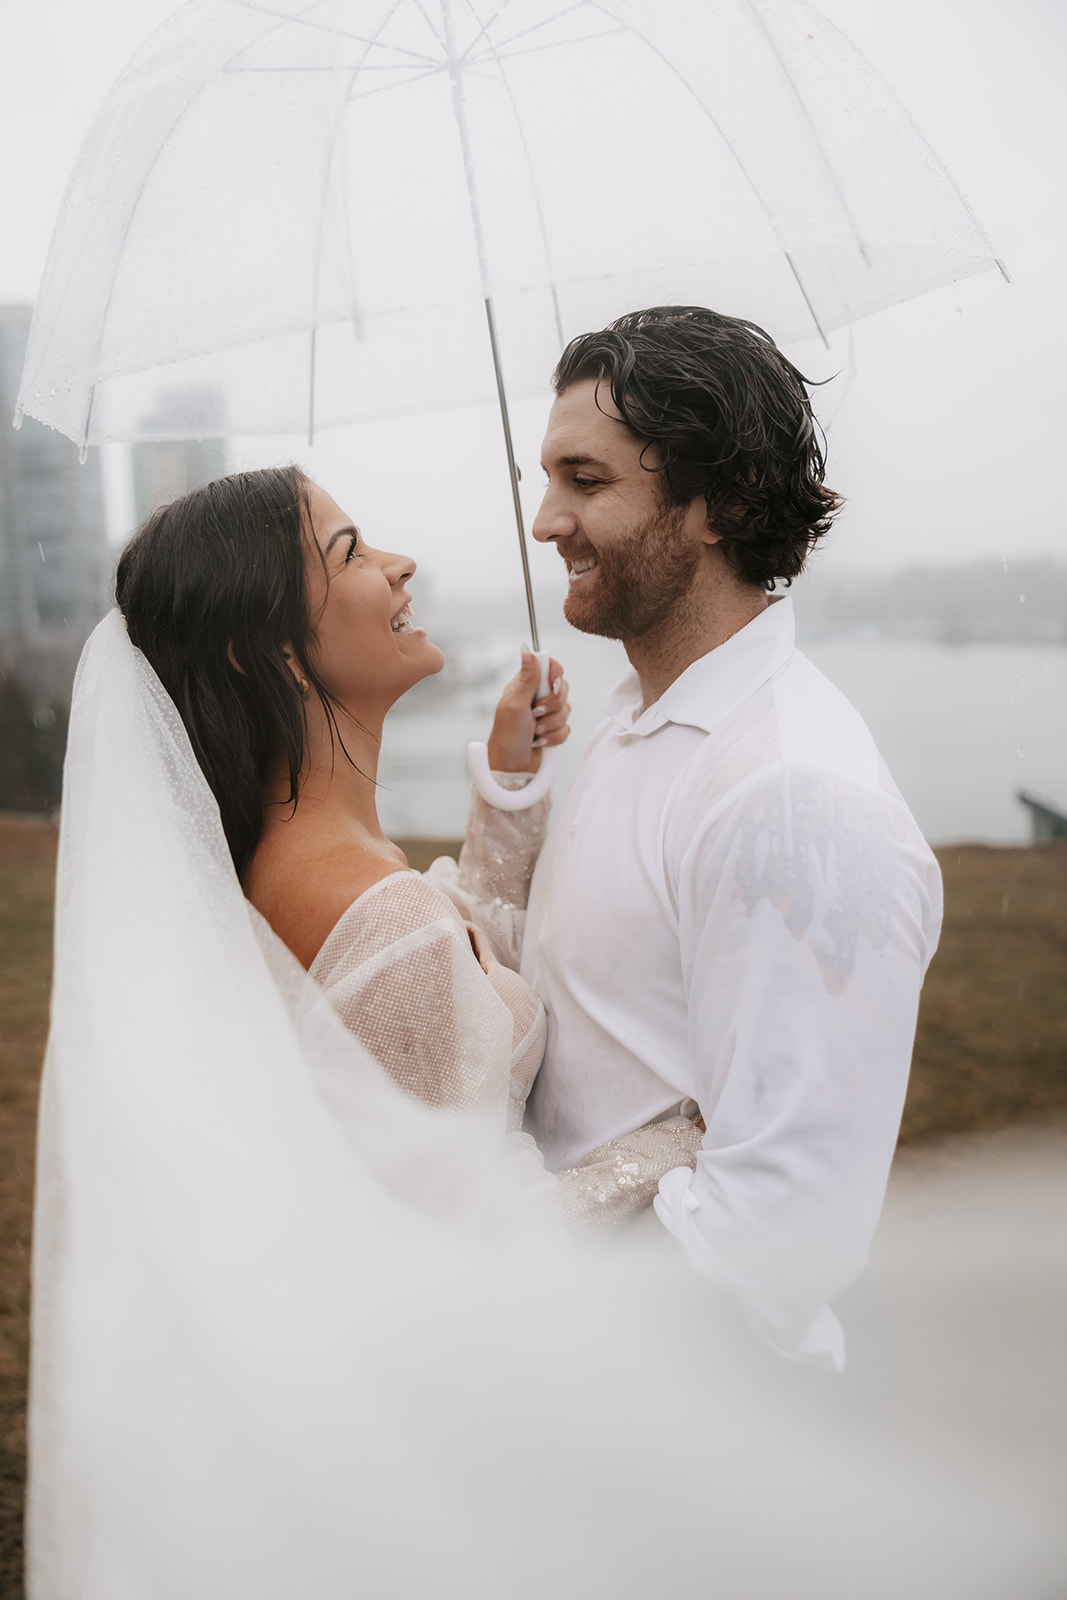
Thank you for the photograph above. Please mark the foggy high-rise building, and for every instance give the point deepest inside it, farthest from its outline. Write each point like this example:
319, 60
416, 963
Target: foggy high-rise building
166, 468
55, 564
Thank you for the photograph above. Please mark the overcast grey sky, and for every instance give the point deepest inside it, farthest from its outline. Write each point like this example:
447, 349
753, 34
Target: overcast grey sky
949, 438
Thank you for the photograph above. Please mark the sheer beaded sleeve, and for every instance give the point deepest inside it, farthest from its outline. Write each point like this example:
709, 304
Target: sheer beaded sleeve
400, 971
491, 883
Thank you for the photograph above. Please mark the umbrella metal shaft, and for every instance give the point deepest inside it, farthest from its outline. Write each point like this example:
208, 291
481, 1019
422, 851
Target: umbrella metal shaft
460, 112
513, 470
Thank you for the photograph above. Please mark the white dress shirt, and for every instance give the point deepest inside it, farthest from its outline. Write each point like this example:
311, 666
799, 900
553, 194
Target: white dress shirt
735, 907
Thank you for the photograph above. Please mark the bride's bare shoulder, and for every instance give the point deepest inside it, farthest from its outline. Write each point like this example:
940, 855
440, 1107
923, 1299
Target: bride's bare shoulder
304, 882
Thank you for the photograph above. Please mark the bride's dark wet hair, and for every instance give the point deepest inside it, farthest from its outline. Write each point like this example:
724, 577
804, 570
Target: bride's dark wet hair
213, 588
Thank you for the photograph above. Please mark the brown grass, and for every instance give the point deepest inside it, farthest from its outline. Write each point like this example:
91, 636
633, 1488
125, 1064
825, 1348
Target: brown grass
991, 1050
992, 1042
27, 873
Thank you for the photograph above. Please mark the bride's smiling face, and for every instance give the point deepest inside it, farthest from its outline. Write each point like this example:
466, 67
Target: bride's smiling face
368, 649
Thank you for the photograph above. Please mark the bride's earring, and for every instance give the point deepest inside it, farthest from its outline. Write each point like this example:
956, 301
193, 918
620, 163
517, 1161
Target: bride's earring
304, 687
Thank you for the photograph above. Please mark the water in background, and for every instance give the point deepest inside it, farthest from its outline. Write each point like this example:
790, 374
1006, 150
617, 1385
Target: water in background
961, 726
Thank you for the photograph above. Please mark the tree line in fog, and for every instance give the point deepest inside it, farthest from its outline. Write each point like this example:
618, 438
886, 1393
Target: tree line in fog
979, 601
965, 602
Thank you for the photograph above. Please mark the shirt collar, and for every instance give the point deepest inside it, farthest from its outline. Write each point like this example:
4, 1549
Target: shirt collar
714, 685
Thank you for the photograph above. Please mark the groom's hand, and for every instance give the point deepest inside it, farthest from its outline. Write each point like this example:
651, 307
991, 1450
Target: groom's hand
521, 728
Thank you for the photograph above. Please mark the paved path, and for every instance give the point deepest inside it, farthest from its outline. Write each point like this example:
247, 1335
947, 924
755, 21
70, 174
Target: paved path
972, 1257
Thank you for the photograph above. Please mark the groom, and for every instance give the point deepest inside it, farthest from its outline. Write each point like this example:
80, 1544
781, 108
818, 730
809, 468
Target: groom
734, 908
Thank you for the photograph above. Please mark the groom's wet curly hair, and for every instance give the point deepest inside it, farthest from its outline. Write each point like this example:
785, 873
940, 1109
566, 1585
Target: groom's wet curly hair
213, 588
730, 419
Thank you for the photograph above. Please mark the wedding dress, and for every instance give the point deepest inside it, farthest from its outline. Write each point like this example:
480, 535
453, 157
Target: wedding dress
399, 971
296, 1333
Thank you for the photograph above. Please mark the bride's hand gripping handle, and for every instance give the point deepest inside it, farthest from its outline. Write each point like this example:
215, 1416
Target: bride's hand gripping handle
528, 729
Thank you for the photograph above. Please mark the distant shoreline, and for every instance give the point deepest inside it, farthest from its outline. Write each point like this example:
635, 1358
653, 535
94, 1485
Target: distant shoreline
939, 633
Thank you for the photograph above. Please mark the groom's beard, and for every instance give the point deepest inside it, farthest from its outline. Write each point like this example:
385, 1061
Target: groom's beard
641, 579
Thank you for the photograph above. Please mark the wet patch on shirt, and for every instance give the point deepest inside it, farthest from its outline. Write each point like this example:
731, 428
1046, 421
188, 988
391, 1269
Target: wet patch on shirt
824, 858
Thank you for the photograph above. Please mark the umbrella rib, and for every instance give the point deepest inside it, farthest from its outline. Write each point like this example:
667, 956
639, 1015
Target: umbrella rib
369, 45
484, 24
931, 152
537, 26
391, 88
431, 67
182, 112
320, 232
542, 226
551, 44
728, 142
313, 332
335, 32
421, 9
806, 298
861, 243
347, 231
428, 64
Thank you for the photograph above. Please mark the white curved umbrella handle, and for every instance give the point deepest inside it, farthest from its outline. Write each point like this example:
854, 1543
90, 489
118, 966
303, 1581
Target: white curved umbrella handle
540, 783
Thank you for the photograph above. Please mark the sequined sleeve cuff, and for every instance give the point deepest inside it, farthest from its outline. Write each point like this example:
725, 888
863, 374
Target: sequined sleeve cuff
620, 1179
501, 847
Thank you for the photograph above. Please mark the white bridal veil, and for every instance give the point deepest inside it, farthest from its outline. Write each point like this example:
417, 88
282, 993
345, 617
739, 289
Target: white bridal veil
297, 1335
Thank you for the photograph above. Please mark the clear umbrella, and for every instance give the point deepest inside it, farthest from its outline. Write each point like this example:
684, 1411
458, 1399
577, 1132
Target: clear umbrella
292, 214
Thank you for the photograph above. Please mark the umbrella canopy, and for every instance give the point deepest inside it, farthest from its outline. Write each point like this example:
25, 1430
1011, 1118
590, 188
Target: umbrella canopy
291, 213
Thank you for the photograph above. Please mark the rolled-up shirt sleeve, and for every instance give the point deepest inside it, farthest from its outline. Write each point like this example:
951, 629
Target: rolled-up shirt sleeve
808, 908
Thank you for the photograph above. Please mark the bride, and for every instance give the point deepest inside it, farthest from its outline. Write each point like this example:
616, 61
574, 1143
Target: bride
283, 639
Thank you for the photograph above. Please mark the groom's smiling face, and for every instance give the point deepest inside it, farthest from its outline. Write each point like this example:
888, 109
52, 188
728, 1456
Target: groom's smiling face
631, 557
